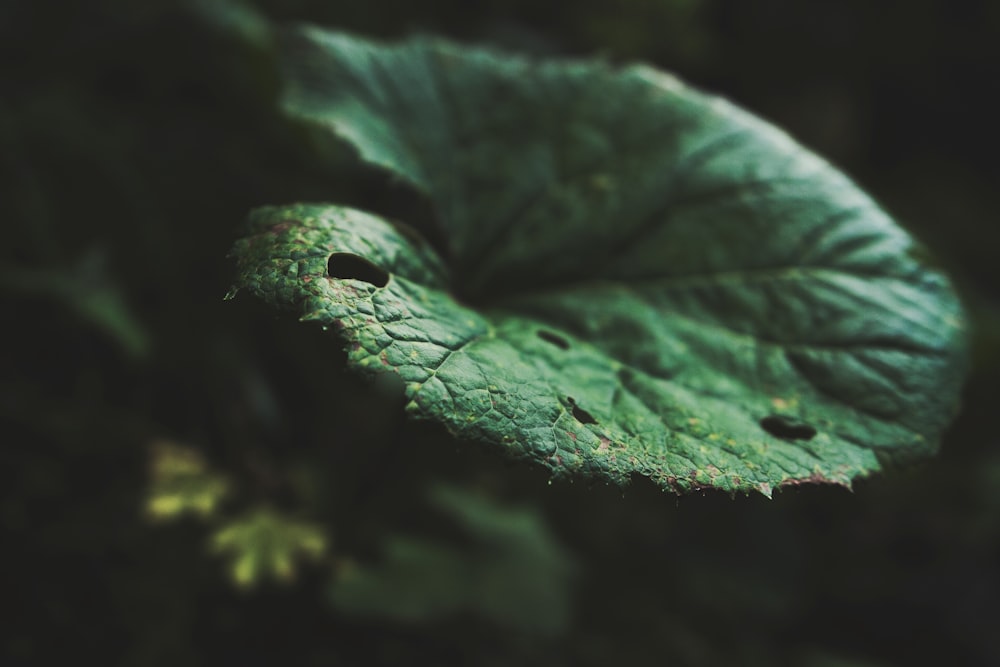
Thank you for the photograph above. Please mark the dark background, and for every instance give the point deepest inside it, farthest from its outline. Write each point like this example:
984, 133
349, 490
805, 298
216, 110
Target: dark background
134, 138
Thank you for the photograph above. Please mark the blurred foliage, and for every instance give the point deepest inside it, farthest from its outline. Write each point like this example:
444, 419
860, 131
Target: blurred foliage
181, 483
509, 571
265, 544
143, 133
85, 290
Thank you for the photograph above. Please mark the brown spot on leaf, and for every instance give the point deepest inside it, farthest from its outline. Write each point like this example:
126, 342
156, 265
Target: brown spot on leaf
281, 226
814, 478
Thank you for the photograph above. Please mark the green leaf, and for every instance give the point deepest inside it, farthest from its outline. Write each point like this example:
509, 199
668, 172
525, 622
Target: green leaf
87, 290
182, 483
266, 544
509, 570
637, 277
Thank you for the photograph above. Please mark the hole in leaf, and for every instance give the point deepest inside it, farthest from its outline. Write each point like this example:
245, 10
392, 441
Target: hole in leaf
347, 265
555, 339
580, 414
787, 428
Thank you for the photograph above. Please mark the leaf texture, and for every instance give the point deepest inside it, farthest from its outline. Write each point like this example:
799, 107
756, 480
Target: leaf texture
637, 278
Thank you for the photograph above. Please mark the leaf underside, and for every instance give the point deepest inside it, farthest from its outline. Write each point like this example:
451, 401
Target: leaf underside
637, 278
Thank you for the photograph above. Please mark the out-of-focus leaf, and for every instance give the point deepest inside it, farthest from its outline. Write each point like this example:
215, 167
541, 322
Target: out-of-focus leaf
265, 544
511, 571
237, 18
181, 483
87, 290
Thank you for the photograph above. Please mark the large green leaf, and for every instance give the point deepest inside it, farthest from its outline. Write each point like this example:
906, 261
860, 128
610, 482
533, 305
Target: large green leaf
637, 278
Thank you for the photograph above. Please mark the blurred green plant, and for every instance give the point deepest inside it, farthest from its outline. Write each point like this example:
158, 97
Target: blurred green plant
86, 290
507, 569
258, 545
265, 544
181, 483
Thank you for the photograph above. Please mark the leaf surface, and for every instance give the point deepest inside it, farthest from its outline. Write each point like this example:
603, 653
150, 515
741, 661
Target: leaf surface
637, 278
